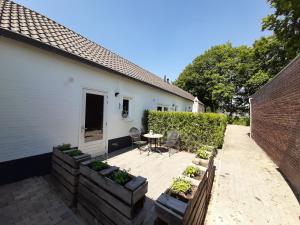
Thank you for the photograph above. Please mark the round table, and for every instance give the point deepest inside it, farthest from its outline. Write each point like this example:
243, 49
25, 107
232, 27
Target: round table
153, 137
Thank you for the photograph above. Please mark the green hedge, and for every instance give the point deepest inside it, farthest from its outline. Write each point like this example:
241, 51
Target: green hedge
195, 129
243, 120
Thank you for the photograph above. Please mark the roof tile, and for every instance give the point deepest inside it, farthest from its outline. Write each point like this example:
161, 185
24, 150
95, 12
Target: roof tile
22, 21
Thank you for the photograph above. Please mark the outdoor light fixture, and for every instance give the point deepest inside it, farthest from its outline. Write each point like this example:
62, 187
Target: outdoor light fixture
117, 93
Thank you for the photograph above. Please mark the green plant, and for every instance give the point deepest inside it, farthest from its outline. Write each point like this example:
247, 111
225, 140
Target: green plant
181, 185
243, 120
195, 129
98, 165
191, 171
202, 154
74, 153
64, 147
120, 176
207, 148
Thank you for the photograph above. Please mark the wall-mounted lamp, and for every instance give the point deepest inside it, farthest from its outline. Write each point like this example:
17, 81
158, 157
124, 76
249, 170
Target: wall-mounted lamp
117, 93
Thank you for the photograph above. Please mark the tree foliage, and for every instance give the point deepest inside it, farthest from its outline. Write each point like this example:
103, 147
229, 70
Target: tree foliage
285, 22
225, 76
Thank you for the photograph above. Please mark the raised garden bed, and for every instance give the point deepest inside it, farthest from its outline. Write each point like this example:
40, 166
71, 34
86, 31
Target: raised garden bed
109, 195
65, 170
182, 189
194, 172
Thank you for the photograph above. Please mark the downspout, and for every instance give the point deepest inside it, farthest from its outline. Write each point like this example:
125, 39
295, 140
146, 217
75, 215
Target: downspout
250, 111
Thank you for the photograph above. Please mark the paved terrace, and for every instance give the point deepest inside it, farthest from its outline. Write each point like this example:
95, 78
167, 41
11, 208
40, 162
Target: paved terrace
248, 187
159, 169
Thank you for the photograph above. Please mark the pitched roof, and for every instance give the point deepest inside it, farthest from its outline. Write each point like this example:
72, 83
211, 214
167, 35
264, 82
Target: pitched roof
22, 23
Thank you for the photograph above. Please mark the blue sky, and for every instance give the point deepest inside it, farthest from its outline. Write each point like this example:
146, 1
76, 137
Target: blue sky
162, 36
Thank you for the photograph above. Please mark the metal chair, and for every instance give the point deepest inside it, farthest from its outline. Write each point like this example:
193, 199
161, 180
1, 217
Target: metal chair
172, 141
135, 135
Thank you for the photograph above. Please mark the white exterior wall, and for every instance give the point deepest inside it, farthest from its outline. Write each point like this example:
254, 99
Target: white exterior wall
41, 100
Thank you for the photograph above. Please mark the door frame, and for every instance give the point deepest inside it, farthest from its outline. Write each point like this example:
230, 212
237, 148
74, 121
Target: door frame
85, 91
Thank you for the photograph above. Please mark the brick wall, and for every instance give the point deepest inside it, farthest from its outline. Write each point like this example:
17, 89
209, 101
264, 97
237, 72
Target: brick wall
275, 111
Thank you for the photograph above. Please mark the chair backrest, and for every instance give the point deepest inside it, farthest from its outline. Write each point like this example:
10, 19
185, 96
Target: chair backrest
135, 134
172, 137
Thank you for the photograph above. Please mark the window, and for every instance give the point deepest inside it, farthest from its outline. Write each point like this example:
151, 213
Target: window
162, 108
125, 109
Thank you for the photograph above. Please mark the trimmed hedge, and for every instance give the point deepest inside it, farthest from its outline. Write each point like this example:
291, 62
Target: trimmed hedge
195, 129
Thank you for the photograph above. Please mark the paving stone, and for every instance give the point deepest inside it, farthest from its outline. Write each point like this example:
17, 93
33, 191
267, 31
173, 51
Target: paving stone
248, 188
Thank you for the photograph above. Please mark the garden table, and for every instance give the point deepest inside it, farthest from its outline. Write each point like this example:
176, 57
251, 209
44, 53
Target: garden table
153, 137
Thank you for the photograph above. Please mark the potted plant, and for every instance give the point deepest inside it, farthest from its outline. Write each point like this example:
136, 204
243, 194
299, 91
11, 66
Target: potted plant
193, 172
202, 157
182, 189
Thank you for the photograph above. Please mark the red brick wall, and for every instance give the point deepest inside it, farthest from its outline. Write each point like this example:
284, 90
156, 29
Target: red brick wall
275, 111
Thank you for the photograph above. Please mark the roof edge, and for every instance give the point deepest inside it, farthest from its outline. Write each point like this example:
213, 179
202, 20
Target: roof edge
36, 43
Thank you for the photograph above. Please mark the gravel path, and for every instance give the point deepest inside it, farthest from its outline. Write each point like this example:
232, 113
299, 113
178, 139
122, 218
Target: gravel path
248, 188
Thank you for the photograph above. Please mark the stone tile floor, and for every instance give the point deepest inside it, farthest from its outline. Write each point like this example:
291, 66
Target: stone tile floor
248, 188
33, 202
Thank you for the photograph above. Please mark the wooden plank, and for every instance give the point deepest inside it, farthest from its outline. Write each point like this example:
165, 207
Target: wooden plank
139, 193
69, 198
126, 210
107, 184
68, 159
167, 215
94, 214
65, 174
109, 170
67, 185
86, 215
84, 157
66, 166
109, 211
135, 183
173, 204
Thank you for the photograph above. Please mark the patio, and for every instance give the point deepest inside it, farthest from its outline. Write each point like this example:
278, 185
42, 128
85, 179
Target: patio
159, 169
33, 201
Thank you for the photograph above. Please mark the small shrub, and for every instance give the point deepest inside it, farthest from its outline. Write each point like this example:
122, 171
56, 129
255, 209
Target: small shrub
75, 153
98, 165
191, 171
202, 154
181, 185
120, 176
64, 147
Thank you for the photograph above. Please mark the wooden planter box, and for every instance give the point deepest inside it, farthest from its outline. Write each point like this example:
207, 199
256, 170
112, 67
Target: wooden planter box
65, 170
101, 199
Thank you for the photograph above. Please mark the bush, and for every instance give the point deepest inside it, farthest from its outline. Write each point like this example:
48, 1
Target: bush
195, 129
243, 120
120, 176
75, 153
64, 147
191, 171
98, 165
181, 185
207, 148
202, 154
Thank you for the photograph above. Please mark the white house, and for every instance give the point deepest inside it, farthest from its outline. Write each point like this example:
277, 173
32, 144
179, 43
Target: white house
59, 87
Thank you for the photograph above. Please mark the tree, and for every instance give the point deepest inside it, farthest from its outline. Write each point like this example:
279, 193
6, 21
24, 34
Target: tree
285, 22
217, 76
